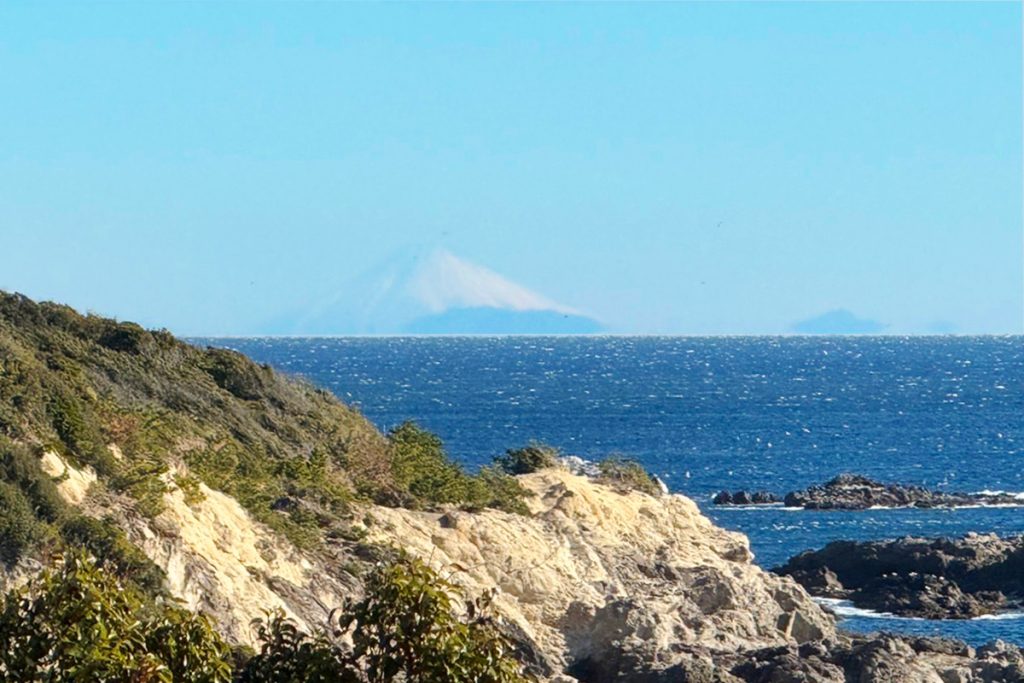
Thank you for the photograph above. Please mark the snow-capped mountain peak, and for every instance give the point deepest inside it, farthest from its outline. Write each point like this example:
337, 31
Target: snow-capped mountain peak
442, 281
435, 291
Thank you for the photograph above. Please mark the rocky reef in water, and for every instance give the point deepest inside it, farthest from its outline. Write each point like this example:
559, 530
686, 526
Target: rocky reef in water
917, 577
856, 492
745, 498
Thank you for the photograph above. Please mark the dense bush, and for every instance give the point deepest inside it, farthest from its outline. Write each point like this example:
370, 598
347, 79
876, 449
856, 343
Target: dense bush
421, 468
405, 629
29, 502
527, 460
76, 384
288, 655
627, 475
32, 511
115, 554
78, 623
19, 527
499, 490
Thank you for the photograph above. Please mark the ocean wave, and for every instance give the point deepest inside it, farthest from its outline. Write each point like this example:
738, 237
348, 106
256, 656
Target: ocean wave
845, 608
757, 506
1001, 616
1019, 495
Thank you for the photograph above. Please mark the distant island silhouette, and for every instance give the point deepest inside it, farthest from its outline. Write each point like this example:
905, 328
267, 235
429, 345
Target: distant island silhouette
838, 321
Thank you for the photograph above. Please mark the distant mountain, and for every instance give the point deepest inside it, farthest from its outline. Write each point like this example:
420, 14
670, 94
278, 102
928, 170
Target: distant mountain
432, 291
839, 321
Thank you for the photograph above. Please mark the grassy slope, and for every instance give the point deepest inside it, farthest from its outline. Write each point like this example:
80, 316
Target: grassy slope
292, 454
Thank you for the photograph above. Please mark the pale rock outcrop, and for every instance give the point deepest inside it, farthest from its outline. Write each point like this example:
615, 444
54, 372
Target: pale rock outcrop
72, 483
598, 579
218, 560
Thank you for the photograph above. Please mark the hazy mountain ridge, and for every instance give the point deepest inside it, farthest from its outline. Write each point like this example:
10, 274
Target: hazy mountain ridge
432, 291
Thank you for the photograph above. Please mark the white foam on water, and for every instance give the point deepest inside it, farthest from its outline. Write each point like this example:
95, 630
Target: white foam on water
757, 506
1001, 616
845, 608
1019, 495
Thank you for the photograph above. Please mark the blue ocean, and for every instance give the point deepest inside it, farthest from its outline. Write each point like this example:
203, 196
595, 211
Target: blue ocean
706, 414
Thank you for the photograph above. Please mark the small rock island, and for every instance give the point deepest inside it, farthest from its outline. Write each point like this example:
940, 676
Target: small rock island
857, 492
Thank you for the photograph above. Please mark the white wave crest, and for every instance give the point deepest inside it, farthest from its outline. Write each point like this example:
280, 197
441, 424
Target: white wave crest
845, 608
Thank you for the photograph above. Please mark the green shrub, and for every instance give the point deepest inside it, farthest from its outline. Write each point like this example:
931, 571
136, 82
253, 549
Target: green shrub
78, 623
627, 475
142, 478
497, 489
421, 467
190, 488
21, 468
405, 629
106, 541
287, 655
407, 624
532, 458
19, 527
124, 337
235, 373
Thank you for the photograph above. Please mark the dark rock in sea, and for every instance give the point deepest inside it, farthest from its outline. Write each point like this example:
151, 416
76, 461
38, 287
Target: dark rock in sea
855, 492
929, 578
745, 498
821, 582
926, 596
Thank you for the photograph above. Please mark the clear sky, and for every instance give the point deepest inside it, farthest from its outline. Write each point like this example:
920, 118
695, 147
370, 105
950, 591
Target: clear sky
667, 168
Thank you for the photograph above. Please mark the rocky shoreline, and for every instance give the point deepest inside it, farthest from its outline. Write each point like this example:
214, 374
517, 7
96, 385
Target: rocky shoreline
963, 578
593, 578
856, 492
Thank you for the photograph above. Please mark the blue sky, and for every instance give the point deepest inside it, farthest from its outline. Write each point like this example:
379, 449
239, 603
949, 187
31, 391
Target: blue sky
698, 168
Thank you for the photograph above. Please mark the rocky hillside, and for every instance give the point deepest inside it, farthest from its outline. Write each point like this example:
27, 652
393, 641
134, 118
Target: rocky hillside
605, 582
197, 474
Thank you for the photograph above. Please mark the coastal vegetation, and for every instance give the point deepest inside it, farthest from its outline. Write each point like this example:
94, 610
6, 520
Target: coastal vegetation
78, 622
133, 405
528, 459
628, 475
406, 628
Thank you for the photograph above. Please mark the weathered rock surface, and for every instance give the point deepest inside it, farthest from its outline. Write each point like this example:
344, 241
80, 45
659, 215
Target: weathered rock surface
930, 578
217, 559
608, 582
854, 492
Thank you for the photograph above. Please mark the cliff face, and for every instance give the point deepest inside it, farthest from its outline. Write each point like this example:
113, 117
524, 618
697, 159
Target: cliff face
218, 560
